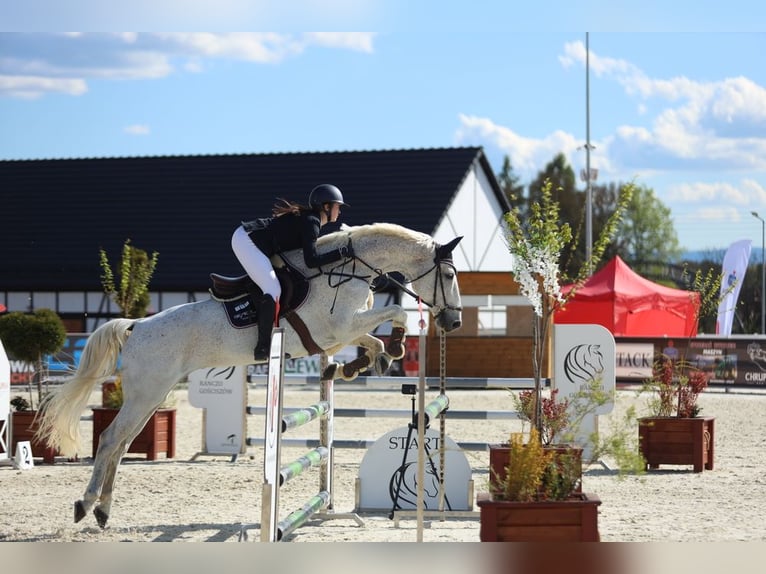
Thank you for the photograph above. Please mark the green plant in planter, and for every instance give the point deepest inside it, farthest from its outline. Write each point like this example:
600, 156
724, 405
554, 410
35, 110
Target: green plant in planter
131, 292
561, 422
31, 337
536, 243
676, 383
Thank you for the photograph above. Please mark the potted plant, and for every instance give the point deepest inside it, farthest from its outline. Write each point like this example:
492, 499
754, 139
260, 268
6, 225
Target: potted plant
158, 435
554, 423
31, 338
538, 498
24, 427
673, 432
130, 293
536, 244
574, 517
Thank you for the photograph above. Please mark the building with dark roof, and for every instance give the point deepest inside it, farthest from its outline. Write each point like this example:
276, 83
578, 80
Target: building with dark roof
58, 213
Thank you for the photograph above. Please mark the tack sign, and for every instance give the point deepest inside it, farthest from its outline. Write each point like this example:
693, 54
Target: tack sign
388, 473
222, 392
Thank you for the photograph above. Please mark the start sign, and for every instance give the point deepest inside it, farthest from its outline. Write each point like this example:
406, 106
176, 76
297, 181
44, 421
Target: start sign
388, 472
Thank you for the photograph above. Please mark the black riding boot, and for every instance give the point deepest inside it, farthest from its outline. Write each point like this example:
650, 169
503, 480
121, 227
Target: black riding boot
266, 309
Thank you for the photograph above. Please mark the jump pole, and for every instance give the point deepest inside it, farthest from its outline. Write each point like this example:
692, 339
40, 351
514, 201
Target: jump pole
275, 476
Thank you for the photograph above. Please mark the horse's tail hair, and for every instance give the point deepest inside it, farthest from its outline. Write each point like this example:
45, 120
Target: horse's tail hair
59, 416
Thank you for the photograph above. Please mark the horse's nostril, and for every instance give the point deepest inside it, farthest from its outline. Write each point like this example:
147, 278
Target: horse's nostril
456, 324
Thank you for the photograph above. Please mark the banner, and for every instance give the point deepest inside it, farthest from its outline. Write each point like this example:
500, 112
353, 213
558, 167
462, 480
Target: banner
733, 272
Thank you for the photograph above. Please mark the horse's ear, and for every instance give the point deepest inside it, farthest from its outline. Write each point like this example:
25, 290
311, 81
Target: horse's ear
445, 251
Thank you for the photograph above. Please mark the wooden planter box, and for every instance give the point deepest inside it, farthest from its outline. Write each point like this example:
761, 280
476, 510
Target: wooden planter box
23, 428
673, 440
572, 520
499, 456
157, 436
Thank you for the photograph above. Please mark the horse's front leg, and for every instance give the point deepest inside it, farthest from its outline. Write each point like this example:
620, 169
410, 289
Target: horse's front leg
374, 354
363, 322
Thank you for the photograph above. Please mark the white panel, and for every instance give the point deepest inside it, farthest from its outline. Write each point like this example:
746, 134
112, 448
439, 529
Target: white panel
18, 301
476, 214
45, 300
71, 302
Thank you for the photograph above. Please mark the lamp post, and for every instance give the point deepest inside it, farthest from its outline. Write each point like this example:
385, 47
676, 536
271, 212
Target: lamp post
763, 271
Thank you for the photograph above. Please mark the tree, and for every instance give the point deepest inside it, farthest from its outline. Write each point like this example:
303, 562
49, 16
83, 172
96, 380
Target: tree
30, 337
571, 211
136, 270
509, 183
646, 232
536, 245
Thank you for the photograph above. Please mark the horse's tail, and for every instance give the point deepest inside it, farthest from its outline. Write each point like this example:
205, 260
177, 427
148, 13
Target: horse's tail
59, 417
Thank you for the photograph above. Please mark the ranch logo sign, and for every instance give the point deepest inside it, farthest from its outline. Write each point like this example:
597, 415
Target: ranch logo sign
584, 353
388, 473
222, 392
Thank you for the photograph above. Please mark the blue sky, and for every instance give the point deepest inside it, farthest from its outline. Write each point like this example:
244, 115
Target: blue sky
683, 112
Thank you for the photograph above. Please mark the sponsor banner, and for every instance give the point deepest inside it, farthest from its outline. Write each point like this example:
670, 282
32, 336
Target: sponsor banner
729, 361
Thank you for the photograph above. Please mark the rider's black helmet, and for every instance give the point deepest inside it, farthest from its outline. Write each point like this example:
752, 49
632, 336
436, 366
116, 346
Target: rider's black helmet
325, 193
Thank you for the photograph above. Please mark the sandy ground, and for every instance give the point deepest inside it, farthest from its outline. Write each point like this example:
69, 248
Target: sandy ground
209, 499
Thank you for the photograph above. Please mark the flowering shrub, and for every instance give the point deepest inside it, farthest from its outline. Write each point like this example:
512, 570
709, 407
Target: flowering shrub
553, 413
676, 386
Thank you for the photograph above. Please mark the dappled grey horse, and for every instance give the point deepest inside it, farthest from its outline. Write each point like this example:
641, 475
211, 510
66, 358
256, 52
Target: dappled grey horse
159, 351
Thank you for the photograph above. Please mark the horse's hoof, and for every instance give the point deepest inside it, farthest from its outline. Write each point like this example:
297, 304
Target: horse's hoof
349, 374
79, 511
395, 347
330, 372
101, 517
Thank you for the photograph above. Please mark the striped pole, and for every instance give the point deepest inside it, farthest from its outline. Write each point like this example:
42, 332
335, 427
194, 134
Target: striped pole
302, 463
300, 516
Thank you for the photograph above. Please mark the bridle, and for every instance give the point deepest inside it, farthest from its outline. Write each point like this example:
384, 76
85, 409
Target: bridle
439, 284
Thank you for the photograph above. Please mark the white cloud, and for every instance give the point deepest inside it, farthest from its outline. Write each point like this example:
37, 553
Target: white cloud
138, 130
529, 156
32, 87
52, 60
704, 125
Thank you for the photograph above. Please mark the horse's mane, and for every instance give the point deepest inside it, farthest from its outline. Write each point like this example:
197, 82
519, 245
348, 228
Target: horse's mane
360, 232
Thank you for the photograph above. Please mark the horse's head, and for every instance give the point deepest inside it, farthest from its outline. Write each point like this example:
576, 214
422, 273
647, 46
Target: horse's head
439, 289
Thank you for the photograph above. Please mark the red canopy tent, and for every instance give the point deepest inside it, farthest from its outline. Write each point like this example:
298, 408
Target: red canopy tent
630, 305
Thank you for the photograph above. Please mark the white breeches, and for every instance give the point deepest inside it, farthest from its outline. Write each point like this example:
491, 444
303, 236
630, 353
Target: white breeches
255, 263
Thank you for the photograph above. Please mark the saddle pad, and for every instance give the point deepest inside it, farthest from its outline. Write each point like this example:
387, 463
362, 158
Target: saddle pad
241, 312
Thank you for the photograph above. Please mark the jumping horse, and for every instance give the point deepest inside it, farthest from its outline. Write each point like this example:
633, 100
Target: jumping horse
159, 351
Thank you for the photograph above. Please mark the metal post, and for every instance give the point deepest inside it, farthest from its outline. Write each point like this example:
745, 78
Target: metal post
588, 193
763, 271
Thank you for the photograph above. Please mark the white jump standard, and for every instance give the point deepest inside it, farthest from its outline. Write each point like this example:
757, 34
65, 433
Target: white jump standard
274, 475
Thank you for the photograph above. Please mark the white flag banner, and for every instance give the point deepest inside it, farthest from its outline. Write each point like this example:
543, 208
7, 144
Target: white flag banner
733, 274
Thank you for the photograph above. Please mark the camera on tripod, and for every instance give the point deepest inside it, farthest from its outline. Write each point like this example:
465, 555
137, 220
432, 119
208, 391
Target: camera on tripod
408, 389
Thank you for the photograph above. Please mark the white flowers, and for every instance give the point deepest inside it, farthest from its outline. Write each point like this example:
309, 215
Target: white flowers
537, 272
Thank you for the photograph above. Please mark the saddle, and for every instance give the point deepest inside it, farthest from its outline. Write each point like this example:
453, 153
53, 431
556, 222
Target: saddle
240, 295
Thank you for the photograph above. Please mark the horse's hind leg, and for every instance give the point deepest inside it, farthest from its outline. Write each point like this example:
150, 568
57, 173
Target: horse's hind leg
101, 512
112, 446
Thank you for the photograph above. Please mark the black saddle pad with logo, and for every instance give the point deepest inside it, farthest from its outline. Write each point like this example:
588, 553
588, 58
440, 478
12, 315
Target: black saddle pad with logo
241, 312
239, 295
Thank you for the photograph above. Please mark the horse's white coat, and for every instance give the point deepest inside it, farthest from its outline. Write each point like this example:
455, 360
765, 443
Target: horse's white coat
163, 349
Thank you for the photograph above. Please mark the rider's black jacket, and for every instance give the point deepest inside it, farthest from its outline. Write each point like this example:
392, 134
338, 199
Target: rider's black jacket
290, 231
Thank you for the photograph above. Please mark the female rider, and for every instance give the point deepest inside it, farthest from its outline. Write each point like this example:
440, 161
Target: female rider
292, 226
